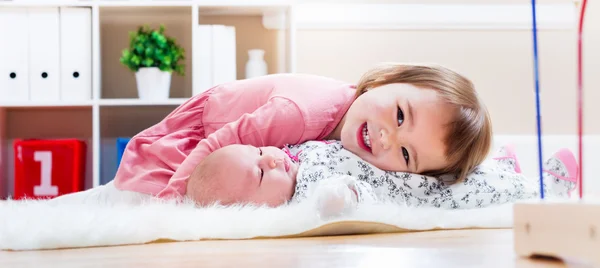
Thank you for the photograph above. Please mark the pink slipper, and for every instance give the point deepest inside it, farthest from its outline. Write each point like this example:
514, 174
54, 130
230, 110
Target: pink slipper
507, 157
563, 169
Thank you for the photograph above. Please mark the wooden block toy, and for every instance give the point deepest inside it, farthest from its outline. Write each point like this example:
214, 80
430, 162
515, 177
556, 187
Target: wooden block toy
48, 168
566, 230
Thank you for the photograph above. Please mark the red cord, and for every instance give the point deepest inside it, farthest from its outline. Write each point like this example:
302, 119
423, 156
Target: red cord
580, 95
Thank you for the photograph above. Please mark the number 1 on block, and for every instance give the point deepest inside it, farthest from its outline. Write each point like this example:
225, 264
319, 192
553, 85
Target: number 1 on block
45, 188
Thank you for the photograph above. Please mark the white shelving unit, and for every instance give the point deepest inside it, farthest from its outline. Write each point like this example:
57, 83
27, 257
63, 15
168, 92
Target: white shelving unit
114, 110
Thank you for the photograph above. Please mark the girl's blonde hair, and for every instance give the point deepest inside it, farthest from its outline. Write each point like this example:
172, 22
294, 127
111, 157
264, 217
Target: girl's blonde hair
469, 137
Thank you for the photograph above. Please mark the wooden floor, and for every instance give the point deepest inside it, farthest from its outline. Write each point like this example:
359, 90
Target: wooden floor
468, 248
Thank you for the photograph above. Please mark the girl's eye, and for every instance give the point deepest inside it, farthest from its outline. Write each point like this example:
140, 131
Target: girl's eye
259, 151
400, 116
405, 154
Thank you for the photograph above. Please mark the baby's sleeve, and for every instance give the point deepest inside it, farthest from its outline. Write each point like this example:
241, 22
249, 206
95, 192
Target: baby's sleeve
340, 195
276, 123
365, 192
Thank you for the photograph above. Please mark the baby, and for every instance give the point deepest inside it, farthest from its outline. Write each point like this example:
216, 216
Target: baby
244, 174
339, 180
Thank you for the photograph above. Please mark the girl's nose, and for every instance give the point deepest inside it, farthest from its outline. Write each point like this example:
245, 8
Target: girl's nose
384, 139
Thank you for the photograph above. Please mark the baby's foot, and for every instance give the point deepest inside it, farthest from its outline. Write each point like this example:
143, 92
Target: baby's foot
561, 173
507, 159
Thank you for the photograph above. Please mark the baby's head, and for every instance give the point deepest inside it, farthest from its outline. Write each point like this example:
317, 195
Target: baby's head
423, 119
244, 174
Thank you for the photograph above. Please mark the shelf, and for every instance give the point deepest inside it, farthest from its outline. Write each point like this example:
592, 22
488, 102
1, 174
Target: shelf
201, 3
244, 3
103, 102
148, 3
249, 9
139, 102
116, 110
42, 3
33, 104
143, 3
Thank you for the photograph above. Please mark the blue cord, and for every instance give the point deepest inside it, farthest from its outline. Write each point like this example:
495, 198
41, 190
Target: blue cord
537, 98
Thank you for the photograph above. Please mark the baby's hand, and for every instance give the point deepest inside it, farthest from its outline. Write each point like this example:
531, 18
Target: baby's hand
335, 198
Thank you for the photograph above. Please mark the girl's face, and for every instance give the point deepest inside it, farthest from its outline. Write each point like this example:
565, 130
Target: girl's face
398, 127
258, 175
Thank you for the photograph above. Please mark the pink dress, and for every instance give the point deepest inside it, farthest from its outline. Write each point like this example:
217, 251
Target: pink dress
272, 110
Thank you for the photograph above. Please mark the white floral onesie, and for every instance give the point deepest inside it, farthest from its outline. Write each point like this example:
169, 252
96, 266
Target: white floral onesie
327, 163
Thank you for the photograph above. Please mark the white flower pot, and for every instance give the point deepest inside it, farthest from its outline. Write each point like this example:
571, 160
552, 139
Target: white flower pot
152, 83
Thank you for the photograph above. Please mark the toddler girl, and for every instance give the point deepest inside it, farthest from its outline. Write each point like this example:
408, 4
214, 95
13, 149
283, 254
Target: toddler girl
338, 180
416, 118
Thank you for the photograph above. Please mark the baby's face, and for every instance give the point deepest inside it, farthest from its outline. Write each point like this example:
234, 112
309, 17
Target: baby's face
258, 175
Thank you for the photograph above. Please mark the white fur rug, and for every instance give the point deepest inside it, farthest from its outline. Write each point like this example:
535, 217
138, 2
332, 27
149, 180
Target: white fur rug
85, 222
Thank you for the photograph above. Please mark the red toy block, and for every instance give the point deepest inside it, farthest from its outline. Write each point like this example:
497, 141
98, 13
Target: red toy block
48, 168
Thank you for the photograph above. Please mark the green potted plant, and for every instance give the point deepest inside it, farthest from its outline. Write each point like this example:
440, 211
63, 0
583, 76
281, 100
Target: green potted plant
153, 57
